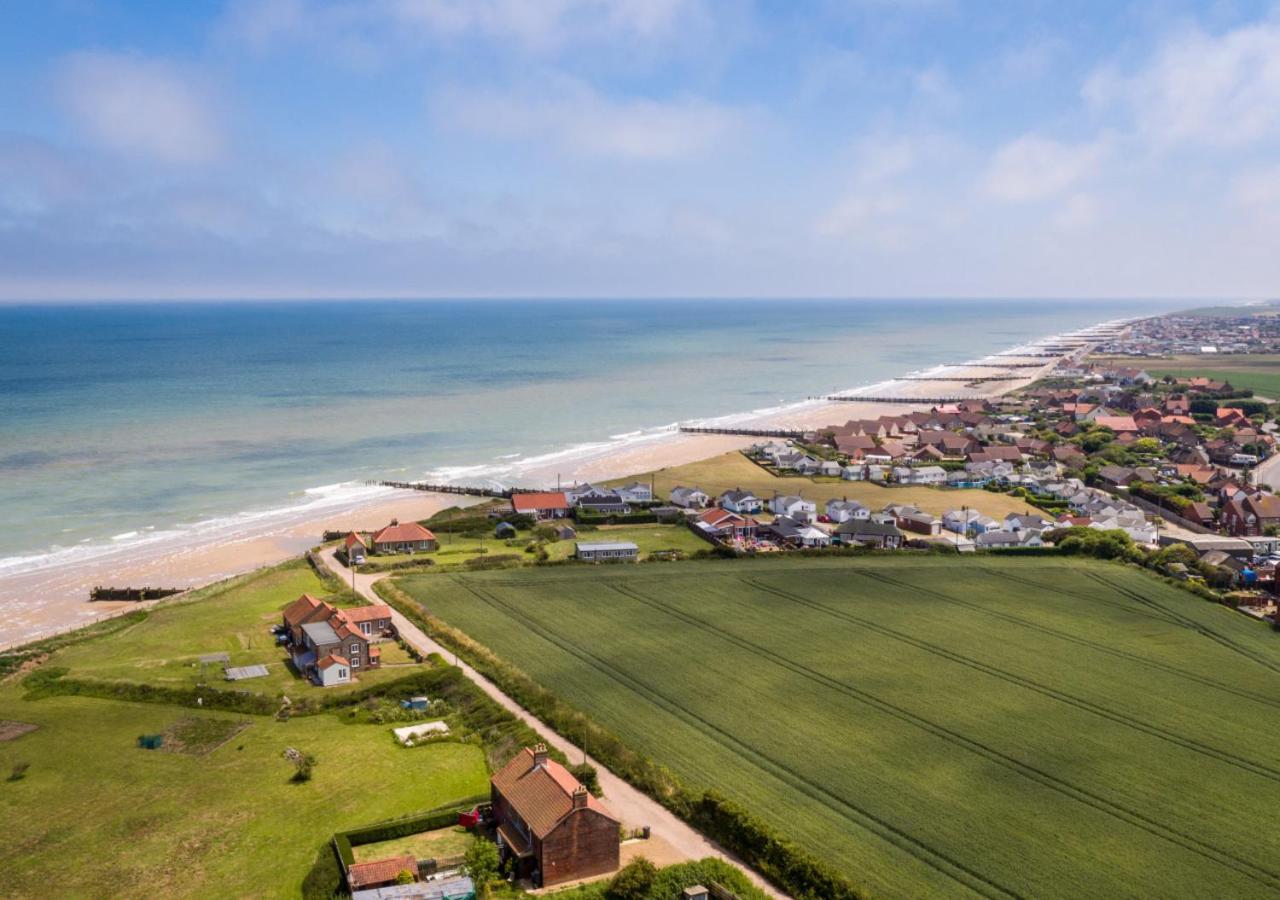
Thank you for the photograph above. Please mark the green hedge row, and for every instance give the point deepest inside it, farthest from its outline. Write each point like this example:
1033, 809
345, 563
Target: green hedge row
441, 817
52, 681
790, 866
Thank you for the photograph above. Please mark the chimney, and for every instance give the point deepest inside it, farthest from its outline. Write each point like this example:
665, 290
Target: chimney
580, 797
539, 755
395, 521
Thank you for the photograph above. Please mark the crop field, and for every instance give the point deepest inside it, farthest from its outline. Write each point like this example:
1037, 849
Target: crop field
989, 726
733, 470
1259, 372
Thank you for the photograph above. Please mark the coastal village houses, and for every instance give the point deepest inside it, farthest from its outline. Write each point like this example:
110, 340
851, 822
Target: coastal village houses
550, 829
409, 537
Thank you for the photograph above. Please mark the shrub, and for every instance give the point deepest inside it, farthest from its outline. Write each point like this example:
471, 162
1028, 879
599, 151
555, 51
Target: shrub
303, 764
633, 882
481, 861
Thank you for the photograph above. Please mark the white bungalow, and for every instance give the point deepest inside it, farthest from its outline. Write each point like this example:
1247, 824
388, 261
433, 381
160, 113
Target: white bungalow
741, 501
689, 498
636, 492
794, 507
840, 511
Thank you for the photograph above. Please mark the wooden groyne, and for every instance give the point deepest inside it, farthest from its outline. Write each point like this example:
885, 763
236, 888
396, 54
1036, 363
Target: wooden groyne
983, 379
464, 489
918, 401
136, 595
744, 432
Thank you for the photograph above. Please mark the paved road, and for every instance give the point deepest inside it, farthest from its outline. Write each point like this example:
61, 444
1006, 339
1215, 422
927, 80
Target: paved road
1267, 472
671, 837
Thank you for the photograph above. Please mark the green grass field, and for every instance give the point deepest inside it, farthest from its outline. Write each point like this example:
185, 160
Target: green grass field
1259, 372
733, 470
214, 813
234, 617
947, 727
97, 817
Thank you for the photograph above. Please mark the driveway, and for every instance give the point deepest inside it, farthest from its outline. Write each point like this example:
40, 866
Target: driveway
671, 837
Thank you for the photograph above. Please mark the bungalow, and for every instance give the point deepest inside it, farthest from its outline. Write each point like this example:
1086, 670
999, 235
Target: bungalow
851, 444
795, 507
968, 521
725, 525
854, 473
740, 501
606, 551
604, 504
911, 519
1019, 524
829, 468
549, 828
795, 532
636, 492
541, 505
844, 510
868, 533
689, 498
1117, 476
1118, 424
991, 539
407, 538
926, 475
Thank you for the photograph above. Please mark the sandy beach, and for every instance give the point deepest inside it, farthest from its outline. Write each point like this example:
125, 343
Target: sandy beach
54, 596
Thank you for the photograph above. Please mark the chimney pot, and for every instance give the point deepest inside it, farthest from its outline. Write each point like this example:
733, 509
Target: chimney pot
540, 754
580, 797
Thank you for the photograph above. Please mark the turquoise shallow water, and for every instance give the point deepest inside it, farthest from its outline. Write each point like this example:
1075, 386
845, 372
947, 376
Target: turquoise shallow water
116, 419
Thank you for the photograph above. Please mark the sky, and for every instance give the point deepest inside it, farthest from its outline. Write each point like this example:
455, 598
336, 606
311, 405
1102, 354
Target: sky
639, 148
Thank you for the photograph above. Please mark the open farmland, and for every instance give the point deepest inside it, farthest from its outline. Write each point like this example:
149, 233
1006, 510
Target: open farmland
1259, 372
983, 726
733, 470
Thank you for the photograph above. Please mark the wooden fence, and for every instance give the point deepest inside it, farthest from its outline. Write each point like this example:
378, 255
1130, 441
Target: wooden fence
136, 595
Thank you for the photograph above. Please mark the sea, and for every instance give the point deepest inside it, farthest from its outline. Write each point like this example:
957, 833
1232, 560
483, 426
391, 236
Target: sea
128, 424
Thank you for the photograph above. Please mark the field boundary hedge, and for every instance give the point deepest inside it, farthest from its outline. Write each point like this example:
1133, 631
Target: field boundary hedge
402, 826
753, 840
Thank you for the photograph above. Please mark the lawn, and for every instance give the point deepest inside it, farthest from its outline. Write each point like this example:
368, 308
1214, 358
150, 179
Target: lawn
97, 817
454, 555
950, 727
733, 470
1259, 372
234, 617
443, 843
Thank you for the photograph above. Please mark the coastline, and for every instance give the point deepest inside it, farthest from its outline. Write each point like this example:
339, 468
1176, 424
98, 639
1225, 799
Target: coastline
50, 596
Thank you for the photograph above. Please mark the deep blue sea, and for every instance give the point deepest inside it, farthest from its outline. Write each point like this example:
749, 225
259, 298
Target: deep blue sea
120, 419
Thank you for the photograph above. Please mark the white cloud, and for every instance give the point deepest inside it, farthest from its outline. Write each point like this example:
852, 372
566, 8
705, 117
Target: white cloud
1201, 88
538, 26
140, 107
582, 121
1034, 168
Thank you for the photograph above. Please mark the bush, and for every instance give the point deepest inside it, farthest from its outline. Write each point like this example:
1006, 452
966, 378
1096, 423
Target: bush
481, 861
303, 765
633, 882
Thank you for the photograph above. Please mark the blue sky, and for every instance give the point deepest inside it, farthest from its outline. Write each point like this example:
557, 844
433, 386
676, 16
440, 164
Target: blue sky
877, 148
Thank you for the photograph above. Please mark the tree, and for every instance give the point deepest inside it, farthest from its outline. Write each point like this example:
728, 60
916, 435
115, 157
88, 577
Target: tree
303, 764
481, 863
633, 882
404, 876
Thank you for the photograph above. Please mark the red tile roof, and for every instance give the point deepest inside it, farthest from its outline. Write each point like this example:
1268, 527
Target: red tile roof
541, 794
537, 501
371, 613
307, 609
352, 539
1117, 423
403, 533
380, 871
333, 659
